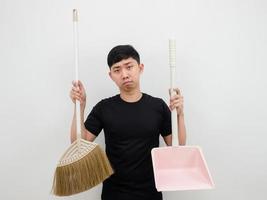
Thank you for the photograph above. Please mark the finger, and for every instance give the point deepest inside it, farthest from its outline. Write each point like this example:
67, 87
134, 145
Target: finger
177, 102
80, 83
77, 84
174, 103
74, 92
177, 105
77, 98
74, 83
177, 90
176, 97
171, 92
76, 88
179, 99
73, 98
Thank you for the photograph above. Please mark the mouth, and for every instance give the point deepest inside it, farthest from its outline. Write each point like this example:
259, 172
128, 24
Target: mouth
127, 82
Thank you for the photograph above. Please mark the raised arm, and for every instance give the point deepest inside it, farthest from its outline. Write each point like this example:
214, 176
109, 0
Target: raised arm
78, 93
177, 101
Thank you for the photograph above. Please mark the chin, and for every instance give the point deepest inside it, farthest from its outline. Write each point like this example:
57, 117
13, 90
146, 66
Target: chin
128, 87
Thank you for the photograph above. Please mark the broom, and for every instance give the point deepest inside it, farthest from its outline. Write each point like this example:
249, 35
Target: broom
84, 164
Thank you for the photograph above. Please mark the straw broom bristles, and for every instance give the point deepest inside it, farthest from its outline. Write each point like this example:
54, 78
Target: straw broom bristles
83, 174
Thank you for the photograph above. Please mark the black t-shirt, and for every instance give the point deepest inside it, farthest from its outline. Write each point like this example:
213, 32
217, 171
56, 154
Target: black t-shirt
131, 130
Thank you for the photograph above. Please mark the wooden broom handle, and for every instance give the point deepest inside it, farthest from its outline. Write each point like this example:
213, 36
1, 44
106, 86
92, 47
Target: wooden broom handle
172, 62
76, 60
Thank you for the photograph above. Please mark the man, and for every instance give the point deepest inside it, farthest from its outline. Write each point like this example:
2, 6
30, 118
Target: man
132, 123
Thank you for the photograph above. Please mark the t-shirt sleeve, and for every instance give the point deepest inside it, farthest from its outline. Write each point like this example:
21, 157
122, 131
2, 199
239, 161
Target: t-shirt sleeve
165, 128
93, 123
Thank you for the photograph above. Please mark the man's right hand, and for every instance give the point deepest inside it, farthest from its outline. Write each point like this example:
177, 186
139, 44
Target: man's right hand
78, 93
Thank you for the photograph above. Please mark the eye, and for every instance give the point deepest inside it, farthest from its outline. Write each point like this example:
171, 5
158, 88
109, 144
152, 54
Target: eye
129, 66
116, 70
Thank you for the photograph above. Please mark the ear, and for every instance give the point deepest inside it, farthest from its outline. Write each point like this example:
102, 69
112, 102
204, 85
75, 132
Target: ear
141, 66
110, 75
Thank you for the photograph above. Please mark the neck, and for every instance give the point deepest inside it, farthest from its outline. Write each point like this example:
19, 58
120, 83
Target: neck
131, 96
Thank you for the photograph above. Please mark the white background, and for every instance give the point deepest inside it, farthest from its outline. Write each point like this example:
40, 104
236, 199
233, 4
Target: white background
221, 70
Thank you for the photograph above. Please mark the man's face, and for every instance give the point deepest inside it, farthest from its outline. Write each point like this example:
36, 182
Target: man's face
126, 74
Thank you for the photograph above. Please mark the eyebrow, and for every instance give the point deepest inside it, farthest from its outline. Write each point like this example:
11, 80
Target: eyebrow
115, 67
128, 63
118, 66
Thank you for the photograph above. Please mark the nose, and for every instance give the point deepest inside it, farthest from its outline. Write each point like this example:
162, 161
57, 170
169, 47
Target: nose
124, 74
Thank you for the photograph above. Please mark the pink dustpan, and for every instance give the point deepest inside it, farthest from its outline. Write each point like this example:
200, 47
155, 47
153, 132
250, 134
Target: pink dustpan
179, 167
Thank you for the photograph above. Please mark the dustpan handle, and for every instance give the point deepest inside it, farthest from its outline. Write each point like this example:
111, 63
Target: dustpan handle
76, 61
172, 62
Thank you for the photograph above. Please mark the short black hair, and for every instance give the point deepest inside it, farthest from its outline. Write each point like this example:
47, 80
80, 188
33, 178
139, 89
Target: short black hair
121, 52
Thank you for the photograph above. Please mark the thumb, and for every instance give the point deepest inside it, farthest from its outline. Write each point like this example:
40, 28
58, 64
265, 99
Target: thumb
80, 84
